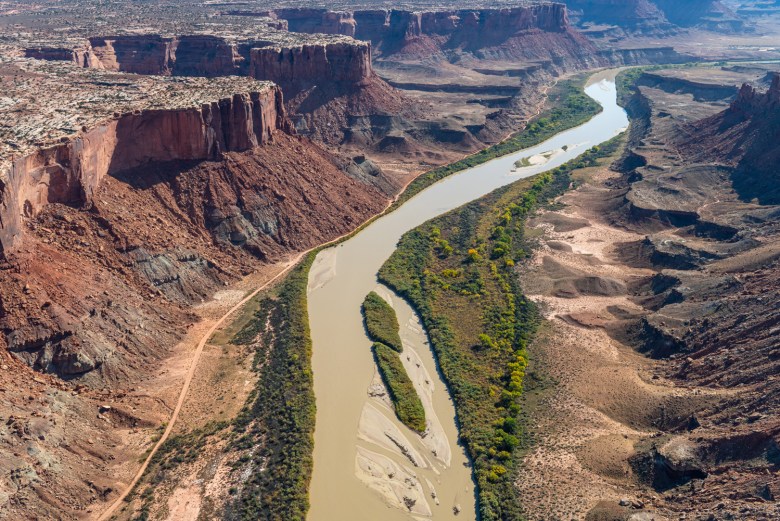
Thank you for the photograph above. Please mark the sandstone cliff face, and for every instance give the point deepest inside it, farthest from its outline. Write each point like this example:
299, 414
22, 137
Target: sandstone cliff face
189, 55
156, 239
70, 172
300, 67
339, 66
210, 56
393, 31
149, 54
160, 208
317, 21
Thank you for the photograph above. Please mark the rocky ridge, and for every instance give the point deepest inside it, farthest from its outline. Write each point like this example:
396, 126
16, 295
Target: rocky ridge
711, 306
657, 17
744, 137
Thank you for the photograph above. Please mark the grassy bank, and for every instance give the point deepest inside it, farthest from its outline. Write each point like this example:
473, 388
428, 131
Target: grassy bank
275, 430
568, 107
478, 320
407, 403
381, 322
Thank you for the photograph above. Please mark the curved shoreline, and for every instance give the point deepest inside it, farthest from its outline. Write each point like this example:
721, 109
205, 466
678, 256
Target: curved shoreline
342, 362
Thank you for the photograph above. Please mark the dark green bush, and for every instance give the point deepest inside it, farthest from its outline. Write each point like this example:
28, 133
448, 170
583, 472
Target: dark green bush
381, 322
406, 401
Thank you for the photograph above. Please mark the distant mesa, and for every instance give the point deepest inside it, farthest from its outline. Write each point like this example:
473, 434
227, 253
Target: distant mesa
293, 63
658, 16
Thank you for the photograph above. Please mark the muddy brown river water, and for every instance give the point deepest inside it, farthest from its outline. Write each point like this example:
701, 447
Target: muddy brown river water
367, 465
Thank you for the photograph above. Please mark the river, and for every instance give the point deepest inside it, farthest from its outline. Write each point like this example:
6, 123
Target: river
367, 465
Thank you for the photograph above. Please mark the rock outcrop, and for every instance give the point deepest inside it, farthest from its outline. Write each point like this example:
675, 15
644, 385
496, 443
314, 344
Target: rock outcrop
628, 14
71, 171
428, 33
332, 74
657, 16
339, 67
283, 60
317, 21
744, 136
539, 35
169, 189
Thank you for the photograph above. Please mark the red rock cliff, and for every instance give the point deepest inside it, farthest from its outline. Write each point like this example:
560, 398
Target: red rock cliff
750, 101
189, 55
317, 21
392, 29
744, 136
299, 67
345, 64
71, 172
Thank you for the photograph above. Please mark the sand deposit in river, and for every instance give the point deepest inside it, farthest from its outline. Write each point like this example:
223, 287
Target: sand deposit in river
367, 465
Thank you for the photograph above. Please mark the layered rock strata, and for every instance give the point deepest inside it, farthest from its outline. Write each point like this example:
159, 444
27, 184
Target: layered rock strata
147, 125
415, 33
745, 137
711, 308
657, 17
321, 69
162, 190
535, 34
279, 58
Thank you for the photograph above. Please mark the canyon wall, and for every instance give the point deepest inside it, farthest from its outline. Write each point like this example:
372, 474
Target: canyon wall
538, 33
657, 16
317, 21
301, 66
70, 172
744, 136
392, 30
628, 14
344, 63
189, 55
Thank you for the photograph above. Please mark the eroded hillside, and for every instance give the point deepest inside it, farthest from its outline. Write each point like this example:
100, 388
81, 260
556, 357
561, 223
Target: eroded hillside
659, 281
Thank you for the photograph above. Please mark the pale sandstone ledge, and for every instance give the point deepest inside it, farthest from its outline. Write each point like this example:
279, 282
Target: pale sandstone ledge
63, 128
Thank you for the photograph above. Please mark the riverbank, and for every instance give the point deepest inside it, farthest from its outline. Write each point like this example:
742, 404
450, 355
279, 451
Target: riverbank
223, 465
340, 278
479, 320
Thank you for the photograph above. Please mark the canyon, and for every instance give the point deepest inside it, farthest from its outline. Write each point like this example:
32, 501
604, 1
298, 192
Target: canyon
159, 163
649, 273
158, 201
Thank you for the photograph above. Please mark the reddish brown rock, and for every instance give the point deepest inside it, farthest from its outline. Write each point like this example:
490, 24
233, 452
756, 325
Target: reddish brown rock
745, 137
393, 31
300, 67
317, 21
70, 172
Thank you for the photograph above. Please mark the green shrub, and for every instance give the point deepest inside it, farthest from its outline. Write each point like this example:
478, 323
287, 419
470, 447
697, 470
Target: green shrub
480, 324
381, 322
406, 401
276, 426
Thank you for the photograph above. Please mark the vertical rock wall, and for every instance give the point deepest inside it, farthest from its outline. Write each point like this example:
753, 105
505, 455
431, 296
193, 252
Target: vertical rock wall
70, 172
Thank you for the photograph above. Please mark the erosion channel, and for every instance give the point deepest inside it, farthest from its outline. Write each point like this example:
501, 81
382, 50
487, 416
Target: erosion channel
367, 464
